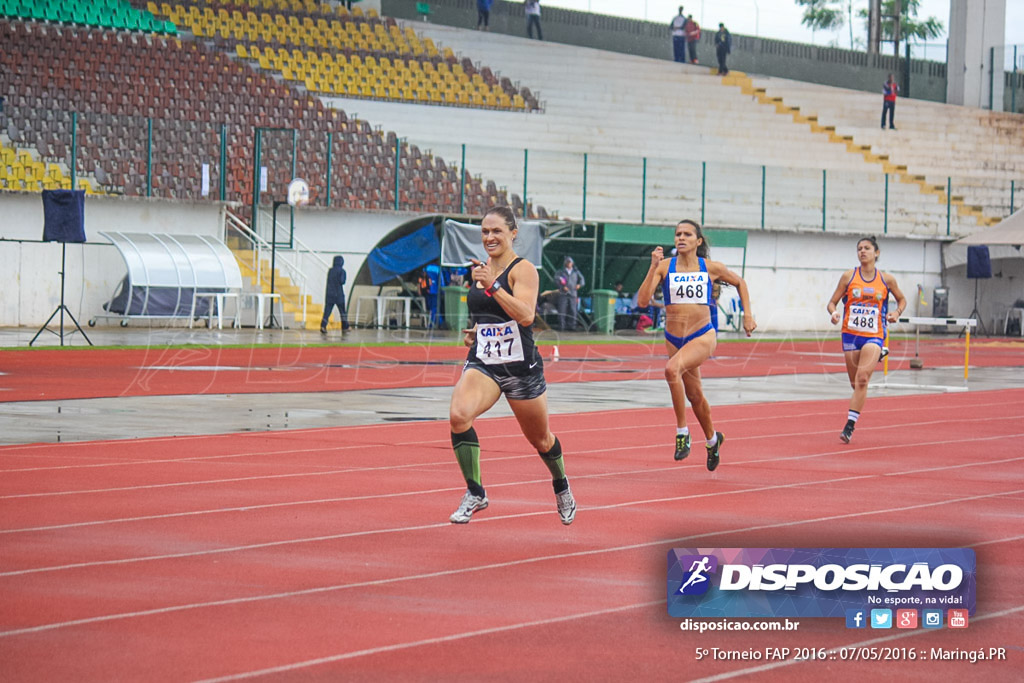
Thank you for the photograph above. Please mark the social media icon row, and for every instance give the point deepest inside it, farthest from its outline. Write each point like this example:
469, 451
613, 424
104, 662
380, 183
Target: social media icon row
904, 618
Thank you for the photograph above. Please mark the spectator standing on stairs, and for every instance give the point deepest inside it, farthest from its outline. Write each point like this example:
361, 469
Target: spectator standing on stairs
692, 32
723, 46
889, 92
678, 28
335, 295
533, 18
483, 14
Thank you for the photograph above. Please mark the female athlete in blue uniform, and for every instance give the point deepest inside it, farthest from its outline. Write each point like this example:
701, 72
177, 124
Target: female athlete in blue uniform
690, 337
864, 292
503, 360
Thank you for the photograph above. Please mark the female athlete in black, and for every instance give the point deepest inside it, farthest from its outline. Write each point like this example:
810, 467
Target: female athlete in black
503, 360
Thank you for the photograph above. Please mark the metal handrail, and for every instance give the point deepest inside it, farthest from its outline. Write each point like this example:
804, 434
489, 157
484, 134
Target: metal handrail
259, 245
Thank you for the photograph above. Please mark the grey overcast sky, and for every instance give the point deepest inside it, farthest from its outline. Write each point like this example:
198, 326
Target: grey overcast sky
781, 18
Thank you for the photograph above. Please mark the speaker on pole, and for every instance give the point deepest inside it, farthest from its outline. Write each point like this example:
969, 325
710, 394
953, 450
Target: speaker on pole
979, 267
64, 222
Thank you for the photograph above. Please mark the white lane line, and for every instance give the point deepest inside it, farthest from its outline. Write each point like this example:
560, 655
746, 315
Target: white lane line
486, 567
320, 473
428, 641
379, 496
512, 434
439, 525
835, 650
12, 449
544, 622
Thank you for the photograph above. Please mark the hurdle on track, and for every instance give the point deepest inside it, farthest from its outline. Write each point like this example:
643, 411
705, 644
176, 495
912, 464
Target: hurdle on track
966, 323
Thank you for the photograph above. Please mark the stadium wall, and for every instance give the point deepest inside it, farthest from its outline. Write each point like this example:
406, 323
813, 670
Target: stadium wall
791, 274
94, 268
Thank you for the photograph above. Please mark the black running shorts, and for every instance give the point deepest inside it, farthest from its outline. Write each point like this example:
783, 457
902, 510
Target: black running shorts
515, 387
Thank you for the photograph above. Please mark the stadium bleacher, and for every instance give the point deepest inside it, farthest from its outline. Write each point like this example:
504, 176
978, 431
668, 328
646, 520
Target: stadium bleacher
122, 82
332, 52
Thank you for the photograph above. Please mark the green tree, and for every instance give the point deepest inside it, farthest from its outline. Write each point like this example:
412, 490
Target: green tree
821, 15
911, 28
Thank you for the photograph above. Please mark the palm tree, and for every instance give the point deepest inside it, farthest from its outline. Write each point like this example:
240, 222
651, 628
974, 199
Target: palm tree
910, 27
820, 15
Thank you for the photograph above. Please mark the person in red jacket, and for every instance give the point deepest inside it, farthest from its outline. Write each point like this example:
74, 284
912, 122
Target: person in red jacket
692, 31
889, 92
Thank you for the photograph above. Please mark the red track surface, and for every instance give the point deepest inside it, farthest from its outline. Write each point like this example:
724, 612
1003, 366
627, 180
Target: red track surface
87, 373
327, 555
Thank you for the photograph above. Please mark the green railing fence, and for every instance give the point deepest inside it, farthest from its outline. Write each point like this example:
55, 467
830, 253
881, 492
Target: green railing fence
154, 157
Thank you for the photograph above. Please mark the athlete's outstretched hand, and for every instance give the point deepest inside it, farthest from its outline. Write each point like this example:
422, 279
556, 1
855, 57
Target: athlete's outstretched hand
482, 273
657, 256
469, 335
836, 316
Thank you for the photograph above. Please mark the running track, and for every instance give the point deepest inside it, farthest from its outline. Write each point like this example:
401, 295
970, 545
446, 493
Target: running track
48, 374
326, 554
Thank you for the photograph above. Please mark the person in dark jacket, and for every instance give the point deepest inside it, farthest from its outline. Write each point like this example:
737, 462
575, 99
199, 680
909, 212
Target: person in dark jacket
335, 295
483, 14
569, 281
723, 46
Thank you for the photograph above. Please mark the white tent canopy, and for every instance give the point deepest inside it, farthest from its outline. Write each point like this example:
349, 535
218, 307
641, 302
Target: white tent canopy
461, 242
1008, 232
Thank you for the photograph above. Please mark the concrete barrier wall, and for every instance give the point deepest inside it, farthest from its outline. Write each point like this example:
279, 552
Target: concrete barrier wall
791, 274
93, 269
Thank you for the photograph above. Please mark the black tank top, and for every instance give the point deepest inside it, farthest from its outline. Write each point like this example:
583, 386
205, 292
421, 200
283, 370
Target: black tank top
500, 344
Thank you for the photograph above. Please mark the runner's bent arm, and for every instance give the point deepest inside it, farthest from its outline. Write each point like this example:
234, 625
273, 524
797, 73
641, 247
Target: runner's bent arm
719, 271
521, 301
901, 300
655, 274
844, 282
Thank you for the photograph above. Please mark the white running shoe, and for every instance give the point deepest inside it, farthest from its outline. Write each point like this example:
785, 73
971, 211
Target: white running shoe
566, 506
467, 507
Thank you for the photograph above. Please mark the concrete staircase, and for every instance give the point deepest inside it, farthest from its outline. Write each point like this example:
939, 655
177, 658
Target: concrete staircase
291, 299
975, 153
663, 141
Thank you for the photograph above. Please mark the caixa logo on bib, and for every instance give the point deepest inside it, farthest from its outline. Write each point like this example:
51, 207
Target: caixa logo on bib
816, 582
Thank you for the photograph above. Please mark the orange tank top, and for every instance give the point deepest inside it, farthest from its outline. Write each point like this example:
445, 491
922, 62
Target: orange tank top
866, 304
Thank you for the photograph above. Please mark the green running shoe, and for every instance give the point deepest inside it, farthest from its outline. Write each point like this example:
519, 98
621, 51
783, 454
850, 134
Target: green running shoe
682, 446
713, 452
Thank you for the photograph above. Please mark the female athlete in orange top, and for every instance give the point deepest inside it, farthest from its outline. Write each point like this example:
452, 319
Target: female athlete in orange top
864, 292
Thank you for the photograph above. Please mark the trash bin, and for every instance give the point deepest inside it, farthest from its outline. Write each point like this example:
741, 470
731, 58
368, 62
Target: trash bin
456, 312
603, 305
